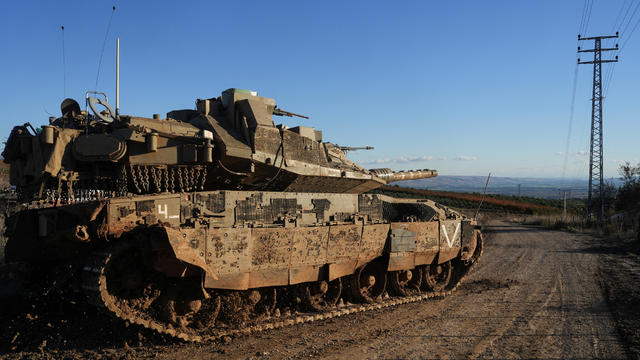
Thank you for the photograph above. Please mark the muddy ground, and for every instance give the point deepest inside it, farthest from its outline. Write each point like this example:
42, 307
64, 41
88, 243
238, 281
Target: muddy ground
535, 294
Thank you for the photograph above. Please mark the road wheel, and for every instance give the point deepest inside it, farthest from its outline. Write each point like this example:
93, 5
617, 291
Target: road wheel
436, 276
207, 315
263, 301
368, 282
320, 295
405, 282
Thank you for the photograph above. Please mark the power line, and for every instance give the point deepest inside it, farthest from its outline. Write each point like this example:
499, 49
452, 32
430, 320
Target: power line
586, 15
615, 24
571, 112
582, 17
581, 29
584, 141
586, 25
635, 10
609, 75
624, 44
626, 39
608, 79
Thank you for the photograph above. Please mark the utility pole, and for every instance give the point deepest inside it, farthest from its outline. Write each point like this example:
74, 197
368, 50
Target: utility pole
564, 206
595, 153
564, 202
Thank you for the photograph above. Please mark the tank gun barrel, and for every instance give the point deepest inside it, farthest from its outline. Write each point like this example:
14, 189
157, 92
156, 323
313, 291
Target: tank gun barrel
354, 148
390, 176
280, 112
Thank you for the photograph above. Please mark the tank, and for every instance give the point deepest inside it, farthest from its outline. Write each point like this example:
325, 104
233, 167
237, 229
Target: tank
216, 221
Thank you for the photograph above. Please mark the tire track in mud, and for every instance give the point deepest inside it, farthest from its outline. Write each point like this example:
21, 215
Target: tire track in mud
619, 271
525, 263
534, 324
564, 325
594, 339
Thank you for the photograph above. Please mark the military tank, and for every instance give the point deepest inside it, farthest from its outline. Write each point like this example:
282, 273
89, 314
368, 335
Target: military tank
217, 221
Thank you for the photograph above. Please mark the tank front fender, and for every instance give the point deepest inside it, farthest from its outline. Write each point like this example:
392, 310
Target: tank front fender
188, 246
469, 242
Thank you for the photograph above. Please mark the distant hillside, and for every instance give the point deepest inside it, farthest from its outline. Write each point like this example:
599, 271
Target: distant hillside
531, 187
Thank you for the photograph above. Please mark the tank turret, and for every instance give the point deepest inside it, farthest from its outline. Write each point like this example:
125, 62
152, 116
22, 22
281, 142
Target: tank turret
227, 143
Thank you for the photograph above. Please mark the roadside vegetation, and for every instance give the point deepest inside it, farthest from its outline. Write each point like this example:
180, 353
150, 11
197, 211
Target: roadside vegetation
621, 212
491, 203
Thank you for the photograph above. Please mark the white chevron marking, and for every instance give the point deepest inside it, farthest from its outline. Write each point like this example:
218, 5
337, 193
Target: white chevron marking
446, 236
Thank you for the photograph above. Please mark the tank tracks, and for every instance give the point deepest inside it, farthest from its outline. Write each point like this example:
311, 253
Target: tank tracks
95, 286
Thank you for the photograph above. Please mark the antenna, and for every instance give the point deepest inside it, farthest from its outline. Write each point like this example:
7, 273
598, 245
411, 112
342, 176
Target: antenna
117, 77
104, 43
64, 65
483, 195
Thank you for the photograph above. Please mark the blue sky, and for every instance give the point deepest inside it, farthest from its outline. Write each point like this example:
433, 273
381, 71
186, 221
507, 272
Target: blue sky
465, 87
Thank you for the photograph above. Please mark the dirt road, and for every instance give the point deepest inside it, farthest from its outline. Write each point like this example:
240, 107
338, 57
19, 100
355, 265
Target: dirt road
535, 294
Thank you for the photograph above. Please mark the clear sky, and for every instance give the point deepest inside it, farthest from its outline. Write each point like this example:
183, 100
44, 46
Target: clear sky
464, 87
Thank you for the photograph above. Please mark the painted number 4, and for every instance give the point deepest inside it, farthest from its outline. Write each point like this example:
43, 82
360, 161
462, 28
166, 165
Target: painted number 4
163, 210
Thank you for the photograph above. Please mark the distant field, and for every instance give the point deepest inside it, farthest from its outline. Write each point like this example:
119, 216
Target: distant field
526, 187
469, 201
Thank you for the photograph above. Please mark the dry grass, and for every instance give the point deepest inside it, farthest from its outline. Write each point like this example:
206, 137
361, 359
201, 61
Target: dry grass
505, 204
624, 228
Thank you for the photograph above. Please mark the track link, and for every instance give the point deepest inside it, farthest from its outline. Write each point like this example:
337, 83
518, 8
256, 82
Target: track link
94, 285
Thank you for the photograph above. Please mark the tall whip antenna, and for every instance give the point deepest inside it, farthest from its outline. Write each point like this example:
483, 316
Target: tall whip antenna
117, 76
64, 65
104, 43
483, 195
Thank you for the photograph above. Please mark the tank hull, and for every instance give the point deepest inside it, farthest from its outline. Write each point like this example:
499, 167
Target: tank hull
247, 245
